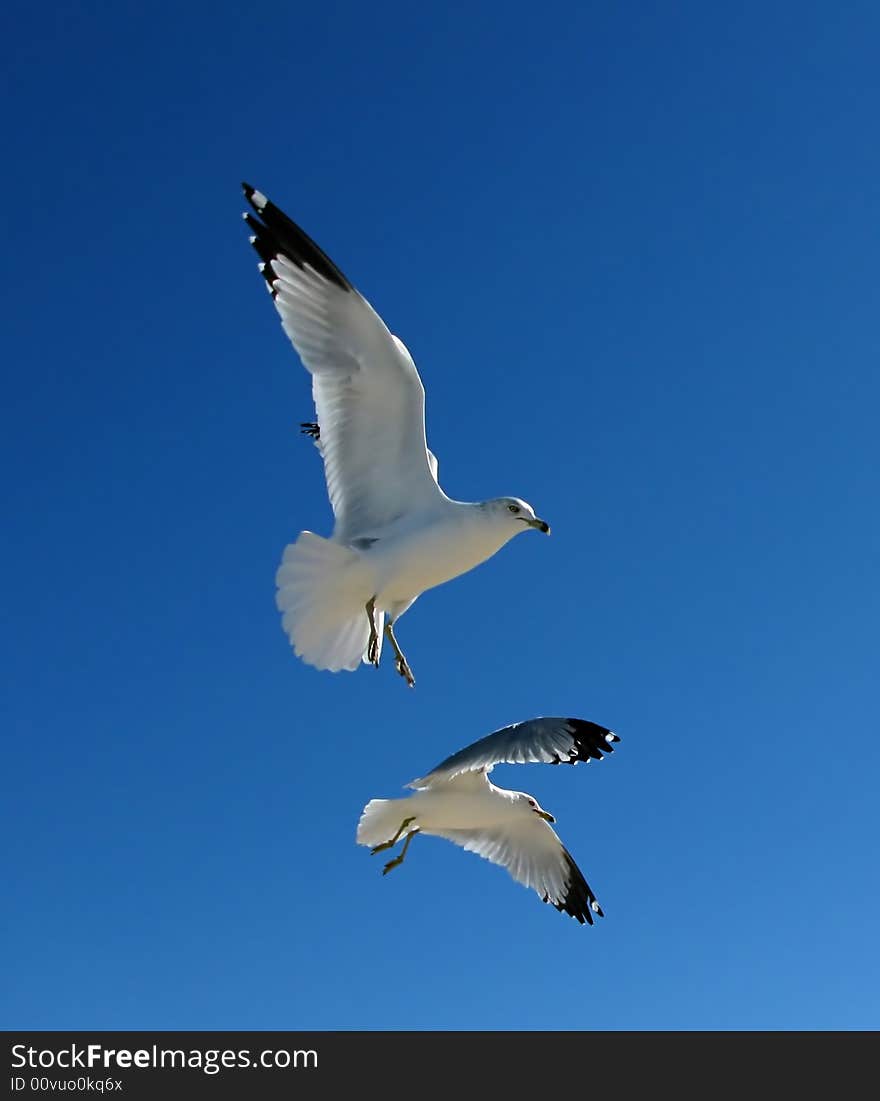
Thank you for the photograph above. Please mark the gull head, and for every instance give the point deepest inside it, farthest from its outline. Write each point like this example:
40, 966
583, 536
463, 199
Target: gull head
529, 805
514, 514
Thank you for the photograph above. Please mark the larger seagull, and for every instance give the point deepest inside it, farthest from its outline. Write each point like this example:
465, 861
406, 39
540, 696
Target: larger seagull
396, 532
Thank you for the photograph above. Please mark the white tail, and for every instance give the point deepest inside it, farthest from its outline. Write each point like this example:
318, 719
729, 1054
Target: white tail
322, 593
381, 820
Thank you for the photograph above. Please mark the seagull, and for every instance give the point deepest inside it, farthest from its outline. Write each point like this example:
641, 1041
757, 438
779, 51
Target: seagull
456, 800
396, 533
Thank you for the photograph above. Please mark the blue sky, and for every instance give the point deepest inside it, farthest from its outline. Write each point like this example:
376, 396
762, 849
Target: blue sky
635, 253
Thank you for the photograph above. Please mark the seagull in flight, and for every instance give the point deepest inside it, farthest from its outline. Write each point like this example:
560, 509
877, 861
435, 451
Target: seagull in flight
396, 532
456, 800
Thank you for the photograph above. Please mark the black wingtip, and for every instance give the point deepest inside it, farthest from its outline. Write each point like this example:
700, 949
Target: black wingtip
591, 740
277, 235
578, 901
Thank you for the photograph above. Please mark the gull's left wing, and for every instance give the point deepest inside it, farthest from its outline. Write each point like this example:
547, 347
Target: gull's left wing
534, 855
369, 399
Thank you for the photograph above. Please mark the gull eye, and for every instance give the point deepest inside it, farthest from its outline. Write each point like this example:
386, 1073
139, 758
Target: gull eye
513, 508
533, 804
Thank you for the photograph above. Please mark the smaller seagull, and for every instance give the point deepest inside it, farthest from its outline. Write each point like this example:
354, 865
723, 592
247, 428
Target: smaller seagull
456, 800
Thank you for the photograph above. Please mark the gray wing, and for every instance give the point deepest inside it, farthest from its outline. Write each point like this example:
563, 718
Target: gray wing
533, 854
369, 398
550, 741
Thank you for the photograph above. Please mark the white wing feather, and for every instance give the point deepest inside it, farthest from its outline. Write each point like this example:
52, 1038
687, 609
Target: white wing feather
531, 852
534, 856
369, 399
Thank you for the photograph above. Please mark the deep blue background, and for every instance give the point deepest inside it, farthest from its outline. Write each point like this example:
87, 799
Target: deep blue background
635, 255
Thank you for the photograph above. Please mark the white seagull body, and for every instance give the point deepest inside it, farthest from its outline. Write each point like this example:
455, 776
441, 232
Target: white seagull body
396, 532
456, 800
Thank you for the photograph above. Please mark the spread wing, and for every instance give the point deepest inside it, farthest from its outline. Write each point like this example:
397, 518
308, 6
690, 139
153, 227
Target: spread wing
369, 398
313, 430
533, 854
543, 740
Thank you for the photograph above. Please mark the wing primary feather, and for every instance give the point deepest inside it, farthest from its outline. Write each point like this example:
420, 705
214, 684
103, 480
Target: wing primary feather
578, 901
266, 254
277, 234
590, 741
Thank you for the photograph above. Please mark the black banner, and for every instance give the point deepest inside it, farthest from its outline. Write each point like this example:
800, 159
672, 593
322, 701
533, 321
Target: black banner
244, 1065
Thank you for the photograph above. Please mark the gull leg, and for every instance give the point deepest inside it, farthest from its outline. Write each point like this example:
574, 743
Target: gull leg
373, 644
399, 859
390, 844
400, 661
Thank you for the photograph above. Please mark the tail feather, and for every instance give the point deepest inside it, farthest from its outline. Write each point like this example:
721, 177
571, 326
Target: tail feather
322, 590
380, 821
